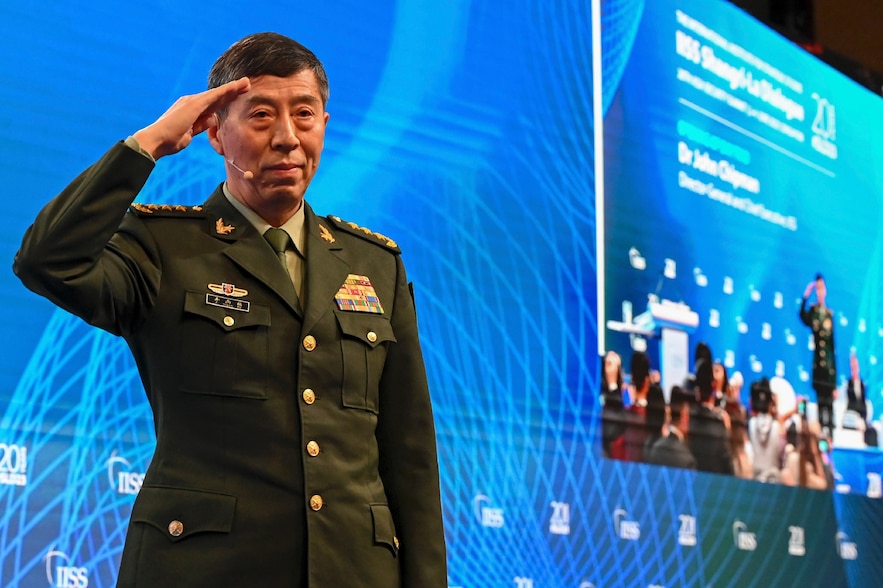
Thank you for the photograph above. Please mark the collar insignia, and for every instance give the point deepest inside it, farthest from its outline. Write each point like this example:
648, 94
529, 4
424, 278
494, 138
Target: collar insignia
326, 234
223, 229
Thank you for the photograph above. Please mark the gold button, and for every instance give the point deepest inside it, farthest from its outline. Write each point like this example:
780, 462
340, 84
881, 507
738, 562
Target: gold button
821, 343
822, 353
316, 502
395, 541
313, 448
372, 336
309, 342
228, 320
176, 527
309, 396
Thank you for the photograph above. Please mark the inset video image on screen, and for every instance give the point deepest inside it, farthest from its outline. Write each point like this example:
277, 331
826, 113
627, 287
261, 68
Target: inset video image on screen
740, 241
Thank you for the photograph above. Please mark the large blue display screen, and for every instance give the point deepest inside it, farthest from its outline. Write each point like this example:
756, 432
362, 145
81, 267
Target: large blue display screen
732, 168
736, 168
466, 131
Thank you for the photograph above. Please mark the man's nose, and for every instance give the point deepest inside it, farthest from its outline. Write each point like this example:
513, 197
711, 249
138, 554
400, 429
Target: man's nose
285, 135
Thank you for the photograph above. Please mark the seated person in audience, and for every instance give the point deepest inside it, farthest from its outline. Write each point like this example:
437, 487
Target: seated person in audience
789, 416
732, 402
719, 382
856, 401
701, 352
708, 439
804, 465
630, 446
765, 434
671, 449
740, 448
654, 417
612, 411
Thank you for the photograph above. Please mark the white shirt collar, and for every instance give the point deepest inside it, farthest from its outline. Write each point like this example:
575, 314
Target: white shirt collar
293, 226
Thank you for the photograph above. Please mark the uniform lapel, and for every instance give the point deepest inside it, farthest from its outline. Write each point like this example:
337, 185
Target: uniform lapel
247, 248
326, 270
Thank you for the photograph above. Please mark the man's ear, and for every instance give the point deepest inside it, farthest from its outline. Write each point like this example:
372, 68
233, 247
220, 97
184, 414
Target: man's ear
213, 132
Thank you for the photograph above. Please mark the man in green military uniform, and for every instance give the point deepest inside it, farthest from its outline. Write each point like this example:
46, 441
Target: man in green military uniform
820, 319
278, 349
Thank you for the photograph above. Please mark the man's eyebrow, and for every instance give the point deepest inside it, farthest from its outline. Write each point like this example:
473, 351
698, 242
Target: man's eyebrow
298, 99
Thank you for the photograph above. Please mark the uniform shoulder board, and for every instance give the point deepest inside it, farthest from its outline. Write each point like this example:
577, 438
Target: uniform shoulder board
364, 233
166, 210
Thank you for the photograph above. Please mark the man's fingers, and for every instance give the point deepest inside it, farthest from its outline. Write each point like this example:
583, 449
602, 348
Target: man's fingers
218, 98
225, 94
187, 117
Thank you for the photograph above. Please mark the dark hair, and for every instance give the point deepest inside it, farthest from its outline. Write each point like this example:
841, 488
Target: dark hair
701, 352
703, 380
640, 368
655, 413
679, 398
761, 396
819, 276
266, 54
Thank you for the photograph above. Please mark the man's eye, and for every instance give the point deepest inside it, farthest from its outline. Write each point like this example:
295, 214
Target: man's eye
260, 114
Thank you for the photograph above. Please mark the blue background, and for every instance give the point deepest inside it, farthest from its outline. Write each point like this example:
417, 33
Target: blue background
464, 130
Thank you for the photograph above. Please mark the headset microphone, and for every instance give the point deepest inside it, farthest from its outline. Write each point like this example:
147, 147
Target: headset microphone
246, 174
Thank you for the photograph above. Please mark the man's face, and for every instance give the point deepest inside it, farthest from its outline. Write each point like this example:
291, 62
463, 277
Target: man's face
821, 291
276, 131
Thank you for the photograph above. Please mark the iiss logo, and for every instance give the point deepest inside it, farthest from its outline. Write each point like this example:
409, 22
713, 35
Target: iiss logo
744, 540
13, 465
61, 573
122, 479
487, 515
625, 529
846, 549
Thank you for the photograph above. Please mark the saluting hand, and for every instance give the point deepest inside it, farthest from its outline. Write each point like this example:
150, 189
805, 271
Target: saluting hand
186, 118
809, 288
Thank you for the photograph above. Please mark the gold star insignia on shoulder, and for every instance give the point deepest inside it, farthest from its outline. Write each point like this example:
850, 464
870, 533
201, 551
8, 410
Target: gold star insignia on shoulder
166, 210
365, 233
326, 234
223, 229
140, 208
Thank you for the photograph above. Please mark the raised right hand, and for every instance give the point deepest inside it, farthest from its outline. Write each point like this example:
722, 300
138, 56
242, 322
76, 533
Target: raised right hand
186, 118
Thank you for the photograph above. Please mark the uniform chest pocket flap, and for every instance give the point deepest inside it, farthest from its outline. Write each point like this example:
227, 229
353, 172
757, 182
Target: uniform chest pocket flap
224, 346
363, 346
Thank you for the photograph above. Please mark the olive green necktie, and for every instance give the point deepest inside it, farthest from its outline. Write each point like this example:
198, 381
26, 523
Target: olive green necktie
280, 241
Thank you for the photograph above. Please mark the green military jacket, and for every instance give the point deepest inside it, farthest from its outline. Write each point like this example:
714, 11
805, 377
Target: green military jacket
292, 448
